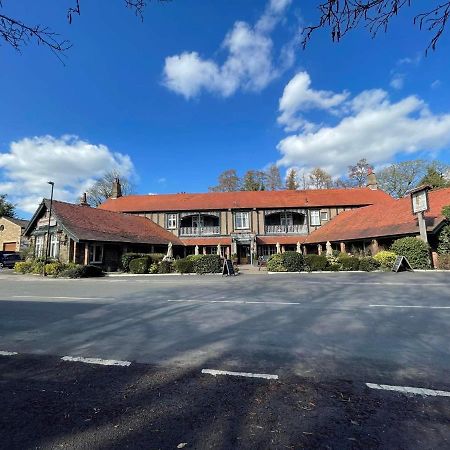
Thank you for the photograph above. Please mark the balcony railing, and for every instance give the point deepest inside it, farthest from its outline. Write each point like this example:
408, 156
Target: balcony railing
199, 231
286, 229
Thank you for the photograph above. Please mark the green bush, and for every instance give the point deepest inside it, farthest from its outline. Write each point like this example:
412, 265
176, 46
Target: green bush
276, 263
348, 263
193, 258
368, 264
153, 268
165, 267
156, 257
414, 250
333, 268
444, 262
446, 212
293, 261
54, 268
140, 265
444, 241
128, 257
316, 262
184, 265
208, 264
23, 267
386, 258
79, 271
37, 266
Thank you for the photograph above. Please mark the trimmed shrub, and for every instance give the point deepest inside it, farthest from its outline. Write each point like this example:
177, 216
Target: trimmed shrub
128, 257
79, 271
368, 264
23, 267
444, 262
37, 266
386, 258
414, 250
193, 258
156, 257
316, 262
165, 267
293, 261
333, 268
139, 265
208, 264
184, 265
444, 241
348, 263
276, 263
153, 268
54, 268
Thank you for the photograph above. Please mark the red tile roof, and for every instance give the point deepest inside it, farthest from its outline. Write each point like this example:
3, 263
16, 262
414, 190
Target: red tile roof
389, 219
92, 224
246, 199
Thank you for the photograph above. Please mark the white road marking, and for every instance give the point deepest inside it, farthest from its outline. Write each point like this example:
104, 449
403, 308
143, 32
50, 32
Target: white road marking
235, 301
62, 298
103, 362
3, 353
240, 374
409, 306
409, 390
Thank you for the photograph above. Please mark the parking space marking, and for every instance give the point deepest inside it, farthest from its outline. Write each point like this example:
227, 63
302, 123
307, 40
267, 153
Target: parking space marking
234, 301
3, 353
409, 390
103, 362
240, 374
410, 306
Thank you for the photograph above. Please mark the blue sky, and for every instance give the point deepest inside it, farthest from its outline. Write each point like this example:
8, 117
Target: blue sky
200, 87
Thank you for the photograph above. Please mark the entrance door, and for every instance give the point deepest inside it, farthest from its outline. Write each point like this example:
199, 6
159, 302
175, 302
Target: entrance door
243, 254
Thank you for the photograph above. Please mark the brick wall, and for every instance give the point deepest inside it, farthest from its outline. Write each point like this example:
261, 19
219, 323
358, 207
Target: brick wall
11, 233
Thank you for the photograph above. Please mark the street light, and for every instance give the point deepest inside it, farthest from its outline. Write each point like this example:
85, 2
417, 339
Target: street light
47, 247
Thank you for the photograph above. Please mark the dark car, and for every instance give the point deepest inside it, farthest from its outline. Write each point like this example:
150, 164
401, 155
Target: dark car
9, 259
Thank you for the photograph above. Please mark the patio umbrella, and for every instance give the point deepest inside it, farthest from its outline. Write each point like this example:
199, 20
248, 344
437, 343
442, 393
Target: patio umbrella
219, 249
299, 249
169, 250
196, 249
278, 248
329, 248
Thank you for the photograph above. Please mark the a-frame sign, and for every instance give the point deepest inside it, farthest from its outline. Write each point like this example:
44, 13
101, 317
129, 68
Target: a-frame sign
401, 264
228, 268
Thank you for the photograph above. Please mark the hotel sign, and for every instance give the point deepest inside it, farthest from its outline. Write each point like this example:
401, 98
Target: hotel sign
419, 200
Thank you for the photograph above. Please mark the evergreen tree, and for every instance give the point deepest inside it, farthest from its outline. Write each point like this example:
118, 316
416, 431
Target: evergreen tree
7, 209
291, 180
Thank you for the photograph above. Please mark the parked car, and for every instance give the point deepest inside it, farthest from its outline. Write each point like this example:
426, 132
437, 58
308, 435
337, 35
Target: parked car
9, 259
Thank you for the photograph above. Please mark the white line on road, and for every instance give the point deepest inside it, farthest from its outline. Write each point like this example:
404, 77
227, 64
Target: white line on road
240, 374
3, 353
409, 390
62, 298
409, 306
103, 362
235, 301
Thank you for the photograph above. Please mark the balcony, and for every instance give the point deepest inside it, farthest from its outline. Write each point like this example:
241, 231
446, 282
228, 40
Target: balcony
199, 231
286, 229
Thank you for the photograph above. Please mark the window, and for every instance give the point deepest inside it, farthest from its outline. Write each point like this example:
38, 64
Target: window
39, 247
287, 219
96, 253
315, 218
172, 221
54, 246
241, 220
324, 216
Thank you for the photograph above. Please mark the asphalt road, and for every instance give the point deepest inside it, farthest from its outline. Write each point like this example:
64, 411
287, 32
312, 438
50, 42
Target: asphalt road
324, 335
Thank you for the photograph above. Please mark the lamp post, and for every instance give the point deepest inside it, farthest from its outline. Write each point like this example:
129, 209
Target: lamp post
47, 247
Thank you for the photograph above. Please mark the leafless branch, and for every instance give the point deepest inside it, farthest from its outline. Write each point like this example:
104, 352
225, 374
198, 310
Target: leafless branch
342, 16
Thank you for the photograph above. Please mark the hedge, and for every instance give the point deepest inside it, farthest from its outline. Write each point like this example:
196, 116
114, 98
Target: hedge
23, 267
128, 257
444, 241
293, 261
414, 250
444, 262
368, 264
208, 264
140, 265
348, 263
316, 262
386, 258
165, 267
79, 271
184, 265
276, 264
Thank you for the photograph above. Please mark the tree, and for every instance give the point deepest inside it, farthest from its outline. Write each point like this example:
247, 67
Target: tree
320, 179
291, 180
436, 176
399, 178
101, 190
342, 16
254, 180
228, 181
357, 174
18, 34
273, 178
7, 209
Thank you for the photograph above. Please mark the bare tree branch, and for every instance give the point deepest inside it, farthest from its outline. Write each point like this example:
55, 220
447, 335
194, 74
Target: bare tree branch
342, 16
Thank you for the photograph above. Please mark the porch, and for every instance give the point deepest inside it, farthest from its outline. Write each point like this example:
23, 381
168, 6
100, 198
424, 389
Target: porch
200, 224
286, 222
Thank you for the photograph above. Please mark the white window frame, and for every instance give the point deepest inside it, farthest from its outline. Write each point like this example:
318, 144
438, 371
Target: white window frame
97, 250
39, 246
241, 220
172, 221
54, 246
314, 217
323, 216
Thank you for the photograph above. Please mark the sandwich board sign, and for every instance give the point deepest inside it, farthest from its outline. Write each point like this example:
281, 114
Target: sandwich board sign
401, 264
228, 268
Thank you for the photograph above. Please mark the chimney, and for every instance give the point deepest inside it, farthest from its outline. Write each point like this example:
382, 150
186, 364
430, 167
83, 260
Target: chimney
83, 200
116, 189
372, 180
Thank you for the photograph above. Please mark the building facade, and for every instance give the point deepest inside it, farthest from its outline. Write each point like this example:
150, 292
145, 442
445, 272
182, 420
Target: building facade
12, 237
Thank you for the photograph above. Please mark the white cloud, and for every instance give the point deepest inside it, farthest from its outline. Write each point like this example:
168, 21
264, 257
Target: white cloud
71, 163
397, 81
374, 128
298, 97
249, 64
